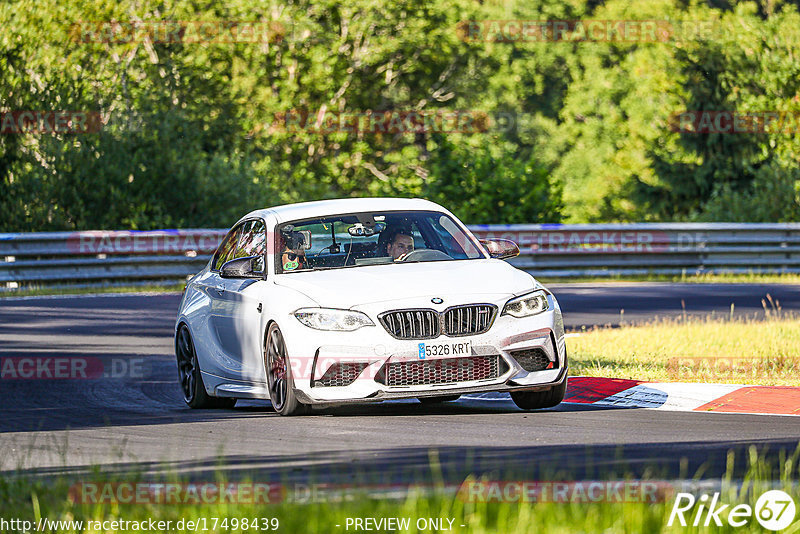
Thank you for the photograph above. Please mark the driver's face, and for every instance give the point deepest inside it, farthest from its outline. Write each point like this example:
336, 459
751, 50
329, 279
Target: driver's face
402, 244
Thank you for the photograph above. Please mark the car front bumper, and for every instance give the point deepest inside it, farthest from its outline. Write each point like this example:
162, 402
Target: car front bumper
390, 394
312, 353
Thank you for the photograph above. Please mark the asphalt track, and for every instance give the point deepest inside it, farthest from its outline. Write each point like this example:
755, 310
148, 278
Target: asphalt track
137, 421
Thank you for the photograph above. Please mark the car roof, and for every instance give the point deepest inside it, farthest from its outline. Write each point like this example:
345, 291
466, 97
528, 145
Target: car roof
322, 208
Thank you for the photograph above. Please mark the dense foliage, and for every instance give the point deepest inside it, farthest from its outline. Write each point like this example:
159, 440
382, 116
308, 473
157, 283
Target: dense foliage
195, 131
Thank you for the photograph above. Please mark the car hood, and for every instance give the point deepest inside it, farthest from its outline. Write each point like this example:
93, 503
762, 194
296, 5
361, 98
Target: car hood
349, 287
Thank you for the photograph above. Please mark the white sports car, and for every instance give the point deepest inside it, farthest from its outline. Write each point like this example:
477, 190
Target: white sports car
360, 300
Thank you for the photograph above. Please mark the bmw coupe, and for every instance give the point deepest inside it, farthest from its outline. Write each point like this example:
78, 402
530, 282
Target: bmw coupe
359, 300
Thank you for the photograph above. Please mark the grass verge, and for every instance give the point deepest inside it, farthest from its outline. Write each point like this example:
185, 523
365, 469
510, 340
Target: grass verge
66, 290
692, 349
56, 499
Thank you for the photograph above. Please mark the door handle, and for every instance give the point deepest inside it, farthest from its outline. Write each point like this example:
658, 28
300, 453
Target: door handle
220, 289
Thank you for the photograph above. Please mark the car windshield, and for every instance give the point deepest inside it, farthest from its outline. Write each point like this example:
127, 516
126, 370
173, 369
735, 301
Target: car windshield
360, 239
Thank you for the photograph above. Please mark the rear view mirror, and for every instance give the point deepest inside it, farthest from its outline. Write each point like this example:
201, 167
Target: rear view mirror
306, 243
500, 248
366, 230
296, 239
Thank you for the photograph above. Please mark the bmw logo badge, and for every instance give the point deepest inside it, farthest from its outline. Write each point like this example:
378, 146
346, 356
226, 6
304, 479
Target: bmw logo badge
436, 300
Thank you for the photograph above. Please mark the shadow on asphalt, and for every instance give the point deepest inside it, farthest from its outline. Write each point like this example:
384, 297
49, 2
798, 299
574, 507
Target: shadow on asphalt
451, 465
74, 405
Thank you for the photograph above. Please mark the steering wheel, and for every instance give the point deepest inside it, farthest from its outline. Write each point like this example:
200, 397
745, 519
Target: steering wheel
425, 254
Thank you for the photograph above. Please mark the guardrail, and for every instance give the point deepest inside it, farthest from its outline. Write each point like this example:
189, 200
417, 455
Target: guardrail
651, 248
102, 257
98, 257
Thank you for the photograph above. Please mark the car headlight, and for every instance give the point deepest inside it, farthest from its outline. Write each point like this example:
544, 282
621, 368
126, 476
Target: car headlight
527, 305
332, 319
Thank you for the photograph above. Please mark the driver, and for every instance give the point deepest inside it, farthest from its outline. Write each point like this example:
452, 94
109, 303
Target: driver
401, 243
293, 257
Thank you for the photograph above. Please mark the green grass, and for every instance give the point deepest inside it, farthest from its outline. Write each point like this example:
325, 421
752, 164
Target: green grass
66, 290
691, 349
31, 499
705, 278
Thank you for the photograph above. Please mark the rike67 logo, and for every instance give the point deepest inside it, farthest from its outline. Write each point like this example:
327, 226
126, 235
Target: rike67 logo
774, 510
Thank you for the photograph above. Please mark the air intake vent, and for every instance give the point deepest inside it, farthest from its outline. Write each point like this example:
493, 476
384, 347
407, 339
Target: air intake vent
533, 360
445, 371
341, 374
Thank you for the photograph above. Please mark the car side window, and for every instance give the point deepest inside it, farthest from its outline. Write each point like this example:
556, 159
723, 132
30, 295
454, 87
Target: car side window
226, 248
252, 242
419, 241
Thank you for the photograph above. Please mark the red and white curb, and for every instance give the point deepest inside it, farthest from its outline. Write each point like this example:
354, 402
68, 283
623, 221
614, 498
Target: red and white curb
674, 396
683, 396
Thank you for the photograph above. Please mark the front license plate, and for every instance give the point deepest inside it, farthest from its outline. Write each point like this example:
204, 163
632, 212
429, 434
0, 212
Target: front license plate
455, 348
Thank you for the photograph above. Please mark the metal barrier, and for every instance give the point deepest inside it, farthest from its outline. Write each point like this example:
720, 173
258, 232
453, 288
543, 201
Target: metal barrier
651, 248
101, 257
98, 257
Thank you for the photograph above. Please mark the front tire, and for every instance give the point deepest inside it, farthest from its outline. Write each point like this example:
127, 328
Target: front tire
280, 381
190, 377
536, 400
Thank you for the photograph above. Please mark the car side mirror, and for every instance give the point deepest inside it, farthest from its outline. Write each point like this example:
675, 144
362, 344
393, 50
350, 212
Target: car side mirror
241, 268
500, 248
